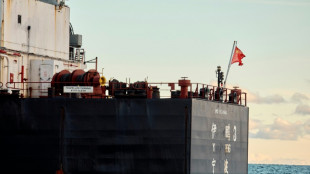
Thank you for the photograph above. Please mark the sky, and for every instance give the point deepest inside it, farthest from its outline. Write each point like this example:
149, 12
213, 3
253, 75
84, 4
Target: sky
163, 40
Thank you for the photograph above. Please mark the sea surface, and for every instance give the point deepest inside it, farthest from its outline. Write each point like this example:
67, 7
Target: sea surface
278, 169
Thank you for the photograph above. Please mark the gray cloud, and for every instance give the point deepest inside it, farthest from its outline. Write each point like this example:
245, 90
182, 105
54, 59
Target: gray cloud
255, 124
299, 98
307, 127
280, 129
256, 98
302, 109
272, 99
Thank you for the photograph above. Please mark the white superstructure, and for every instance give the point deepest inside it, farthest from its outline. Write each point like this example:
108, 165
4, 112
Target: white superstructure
35, 44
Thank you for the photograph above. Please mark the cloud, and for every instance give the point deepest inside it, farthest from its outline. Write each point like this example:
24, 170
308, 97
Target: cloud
256, 98
260, 158
254, 124
280, 129
290, 161
272, 99
302, 109
299, 98
307, 127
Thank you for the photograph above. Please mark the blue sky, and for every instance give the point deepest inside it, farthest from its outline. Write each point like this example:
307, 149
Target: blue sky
167, 39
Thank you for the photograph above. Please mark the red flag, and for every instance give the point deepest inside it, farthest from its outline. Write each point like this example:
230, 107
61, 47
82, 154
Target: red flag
238, 56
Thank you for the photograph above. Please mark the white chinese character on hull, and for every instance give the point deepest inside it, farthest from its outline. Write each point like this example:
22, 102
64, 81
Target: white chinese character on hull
213, 164
227, 148
213, 130
227, 132
226, 167
235, 133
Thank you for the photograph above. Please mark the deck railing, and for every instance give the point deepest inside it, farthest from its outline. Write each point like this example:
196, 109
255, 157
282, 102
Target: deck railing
165, 90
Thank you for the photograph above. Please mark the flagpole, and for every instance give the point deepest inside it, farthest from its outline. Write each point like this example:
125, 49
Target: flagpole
229, 64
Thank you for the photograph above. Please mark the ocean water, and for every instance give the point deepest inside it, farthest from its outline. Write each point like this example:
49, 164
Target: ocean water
278, 169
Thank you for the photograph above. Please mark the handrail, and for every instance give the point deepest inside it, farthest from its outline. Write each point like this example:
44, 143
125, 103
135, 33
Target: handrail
201, 90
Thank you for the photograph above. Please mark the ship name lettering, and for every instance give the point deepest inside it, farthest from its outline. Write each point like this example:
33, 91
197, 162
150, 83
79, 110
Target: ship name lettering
220, 112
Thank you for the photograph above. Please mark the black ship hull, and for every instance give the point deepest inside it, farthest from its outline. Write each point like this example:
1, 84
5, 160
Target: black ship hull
118, 136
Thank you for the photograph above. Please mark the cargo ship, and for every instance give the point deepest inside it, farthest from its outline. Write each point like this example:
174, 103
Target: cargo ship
58, 117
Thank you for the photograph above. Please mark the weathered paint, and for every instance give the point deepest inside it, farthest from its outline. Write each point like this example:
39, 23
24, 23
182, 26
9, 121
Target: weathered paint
41, 71
1, 20
46, 37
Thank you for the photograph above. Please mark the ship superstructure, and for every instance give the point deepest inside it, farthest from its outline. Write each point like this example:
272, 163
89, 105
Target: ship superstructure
37, 41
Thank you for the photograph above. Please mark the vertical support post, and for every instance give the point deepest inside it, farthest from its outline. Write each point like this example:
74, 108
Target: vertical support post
245, 99
226, 90
28, 53
30, 92
96, 63
22, 75
149, 92
185, 143
240, 97
61, 141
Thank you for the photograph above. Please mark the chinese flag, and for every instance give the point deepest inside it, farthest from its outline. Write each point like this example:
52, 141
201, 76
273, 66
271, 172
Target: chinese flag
238, 56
